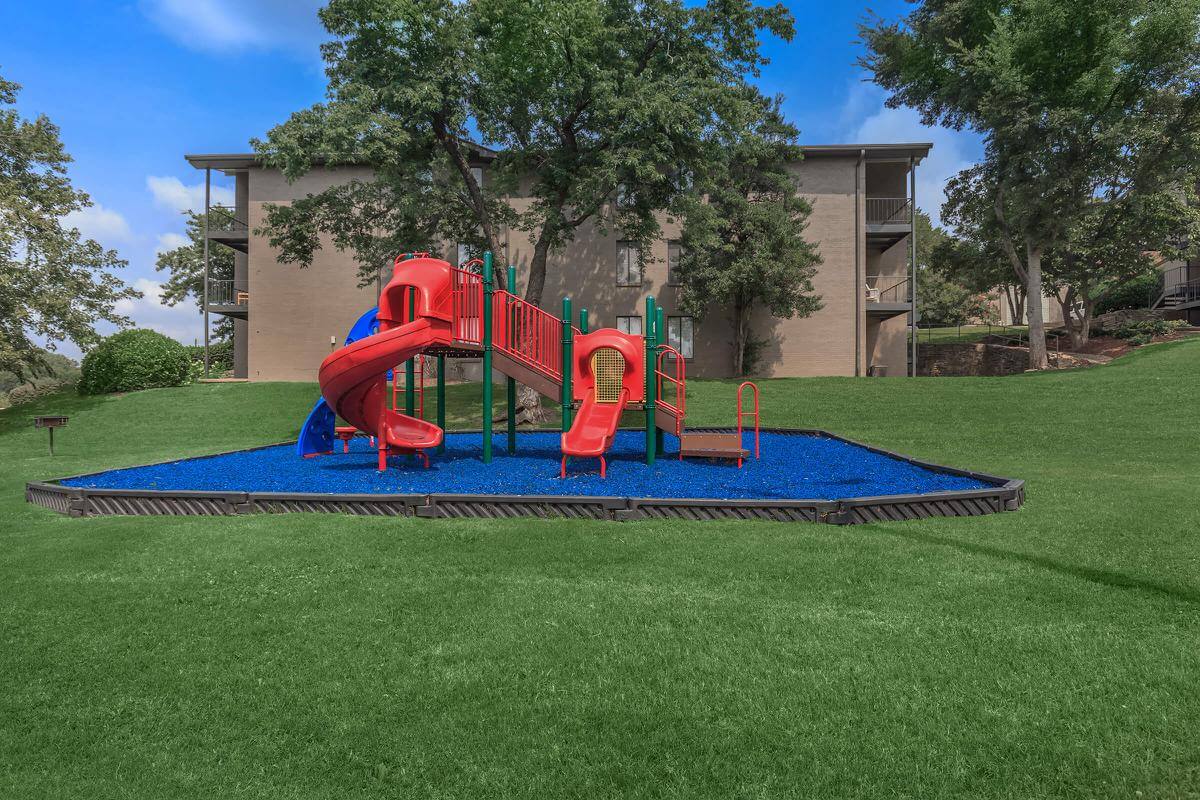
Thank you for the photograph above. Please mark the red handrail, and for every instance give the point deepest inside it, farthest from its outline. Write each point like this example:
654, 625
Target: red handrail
742, 414
466, 300
527, 334
677, 409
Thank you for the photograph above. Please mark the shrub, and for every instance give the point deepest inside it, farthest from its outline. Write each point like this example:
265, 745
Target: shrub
1135, 294
132, 360
220, 357
38, 388
1138, 333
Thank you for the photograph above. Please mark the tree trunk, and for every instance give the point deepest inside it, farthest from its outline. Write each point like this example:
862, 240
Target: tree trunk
1038, 356
741, 334
537, 268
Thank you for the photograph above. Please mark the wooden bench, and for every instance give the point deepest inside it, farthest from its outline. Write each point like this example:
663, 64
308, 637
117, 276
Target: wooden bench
712, 445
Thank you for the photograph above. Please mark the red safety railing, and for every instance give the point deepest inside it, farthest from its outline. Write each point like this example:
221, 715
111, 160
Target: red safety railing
466, 296
741, 415
676, 405
527, 334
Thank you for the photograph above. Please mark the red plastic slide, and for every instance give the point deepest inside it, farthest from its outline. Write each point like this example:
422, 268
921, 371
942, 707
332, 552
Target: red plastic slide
592, 431
353, 379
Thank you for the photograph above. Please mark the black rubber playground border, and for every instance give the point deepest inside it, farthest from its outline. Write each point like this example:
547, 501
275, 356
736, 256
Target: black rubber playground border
1005, 494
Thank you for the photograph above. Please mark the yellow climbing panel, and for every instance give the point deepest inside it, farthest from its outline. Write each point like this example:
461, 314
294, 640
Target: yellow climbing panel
608, 367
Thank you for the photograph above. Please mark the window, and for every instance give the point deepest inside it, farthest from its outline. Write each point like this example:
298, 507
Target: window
679, 335
477, 174
674, 251
625, 197
629, 267
630, 325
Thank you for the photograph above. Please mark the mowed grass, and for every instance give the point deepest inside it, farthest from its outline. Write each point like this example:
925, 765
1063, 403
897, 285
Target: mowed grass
1052, 652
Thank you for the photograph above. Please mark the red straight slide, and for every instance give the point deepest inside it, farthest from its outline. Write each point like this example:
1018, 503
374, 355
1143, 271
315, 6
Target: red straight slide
593, 430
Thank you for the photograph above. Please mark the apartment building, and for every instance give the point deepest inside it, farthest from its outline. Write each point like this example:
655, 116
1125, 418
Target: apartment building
287, 319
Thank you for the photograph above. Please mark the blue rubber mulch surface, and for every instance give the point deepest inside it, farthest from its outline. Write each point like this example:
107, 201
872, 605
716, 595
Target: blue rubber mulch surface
792, 467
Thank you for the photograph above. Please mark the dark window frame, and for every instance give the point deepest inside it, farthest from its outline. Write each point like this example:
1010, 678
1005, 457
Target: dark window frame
692, 343
631, 248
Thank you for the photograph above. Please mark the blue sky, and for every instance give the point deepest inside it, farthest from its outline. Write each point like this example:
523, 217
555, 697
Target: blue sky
135, 85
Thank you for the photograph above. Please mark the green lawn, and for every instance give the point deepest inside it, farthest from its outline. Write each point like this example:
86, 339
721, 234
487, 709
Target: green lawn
968, 333
1052, 652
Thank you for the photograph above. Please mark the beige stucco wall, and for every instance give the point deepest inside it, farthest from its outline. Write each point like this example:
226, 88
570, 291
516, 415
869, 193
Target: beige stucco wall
294, 312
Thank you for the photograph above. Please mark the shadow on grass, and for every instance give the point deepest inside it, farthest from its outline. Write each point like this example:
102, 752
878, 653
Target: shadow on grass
1103, 577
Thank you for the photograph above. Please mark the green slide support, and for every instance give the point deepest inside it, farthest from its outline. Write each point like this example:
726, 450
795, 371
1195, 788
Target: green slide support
487, 357
409, 366
583, 320
567, 349
649, 326
510, 383
441, 399
660, 335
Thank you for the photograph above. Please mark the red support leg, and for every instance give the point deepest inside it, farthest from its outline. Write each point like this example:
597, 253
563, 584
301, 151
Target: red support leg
603, 467
562, 472
382, 457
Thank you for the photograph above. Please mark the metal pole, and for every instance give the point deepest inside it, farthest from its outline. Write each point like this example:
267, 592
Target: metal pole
568, 396
583, 320
649, 325
207, 202
510, 383
912, 173
441, 399
487, 357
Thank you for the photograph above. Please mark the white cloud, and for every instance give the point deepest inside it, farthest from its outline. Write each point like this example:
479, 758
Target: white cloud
225, 25
182, 322
170, 192
102, 224
171, 241
867, 119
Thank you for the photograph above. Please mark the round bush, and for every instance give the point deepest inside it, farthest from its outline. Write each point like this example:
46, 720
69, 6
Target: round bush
132, 360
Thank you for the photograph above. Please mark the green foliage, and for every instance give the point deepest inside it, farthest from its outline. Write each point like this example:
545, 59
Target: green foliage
220, 356
39, 388
1082, 104
185, 271
1132, 294
743, 236
134, 359
48, 365
946, 293
580, 103
54, 284
1142, 331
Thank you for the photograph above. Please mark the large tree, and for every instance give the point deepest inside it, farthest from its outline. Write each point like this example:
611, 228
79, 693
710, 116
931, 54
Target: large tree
184, 266
1076, 99
743, 236
1117, 243
584, 100
54, 284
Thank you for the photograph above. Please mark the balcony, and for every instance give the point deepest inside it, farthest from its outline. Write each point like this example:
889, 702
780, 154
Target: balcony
229, 228
888, 296
889, 220
229, 298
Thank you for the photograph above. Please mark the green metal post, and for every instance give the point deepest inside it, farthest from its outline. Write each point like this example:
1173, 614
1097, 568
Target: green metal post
410, 382
441, 398
648, 326
567, 364
660, 333
487, 357
511, 384
583, 320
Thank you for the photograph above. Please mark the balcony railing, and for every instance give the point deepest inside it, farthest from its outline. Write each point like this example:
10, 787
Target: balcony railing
888, 289
226, 219
227, 293
1176, 287
889, 211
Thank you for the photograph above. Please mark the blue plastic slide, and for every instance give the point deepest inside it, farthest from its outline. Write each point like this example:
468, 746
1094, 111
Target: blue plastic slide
316, 437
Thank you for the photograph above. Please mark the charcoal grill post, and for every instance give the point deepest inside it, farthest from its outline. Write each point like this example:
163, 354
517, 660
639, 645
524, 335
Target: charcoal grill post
50, 423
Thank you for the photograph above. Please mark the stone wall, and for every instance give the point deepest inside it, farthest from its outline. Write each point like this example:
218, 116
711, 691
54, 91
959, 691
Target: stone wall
977, 359
1115, 319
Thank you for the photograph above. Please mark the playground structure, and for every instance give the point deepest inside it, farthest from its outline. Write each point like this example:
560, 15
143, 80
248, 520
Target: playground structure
432, 309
